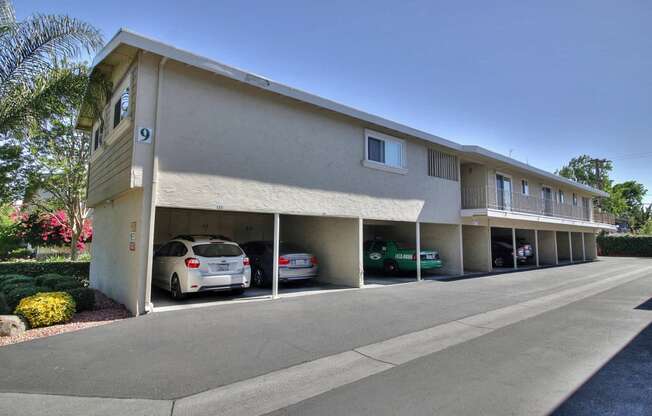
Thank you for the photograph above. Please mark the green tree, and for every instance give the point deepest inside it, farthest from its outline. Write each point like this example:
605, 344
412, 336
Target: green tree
582, 169
31, 87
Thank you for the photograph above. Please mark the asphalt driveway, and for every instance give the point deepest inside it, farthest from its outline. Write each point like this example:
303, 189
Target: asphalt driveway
175, 354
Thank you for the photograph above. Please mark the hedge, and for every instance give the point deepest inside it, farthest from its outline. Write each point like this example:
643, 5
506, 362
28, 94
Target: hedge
77, 269
84, 298
46, 309
625, 245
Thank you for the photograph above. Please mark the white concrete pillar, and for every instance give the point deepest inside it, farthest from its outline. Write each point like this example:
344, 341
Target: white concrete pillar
360, 253
490, 258
556, 248
461, 251
277, 241
570, 245
514, 247
536, 247
418, 249
583, 247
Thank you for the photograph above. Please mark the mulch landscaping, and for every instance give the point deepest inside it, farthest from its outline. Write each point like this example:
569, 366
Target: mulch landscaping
106, 311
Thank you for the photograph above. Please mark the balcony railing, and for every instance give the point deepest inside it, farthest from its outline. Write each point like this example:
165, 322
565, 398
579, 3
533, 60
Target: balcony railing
487, 197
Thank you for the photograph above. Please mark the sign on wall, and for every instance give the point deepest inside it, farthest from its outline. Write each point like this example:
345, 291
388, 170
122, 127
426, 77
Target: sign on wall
132, 236
144, 135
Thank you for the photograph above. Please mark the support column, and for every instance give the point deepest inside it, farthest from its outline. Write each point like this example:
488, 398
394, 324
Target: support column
583, 247
536, 246
556, 248
360, 252
461, 251
570, 245
514, 248
277, 239
418, 249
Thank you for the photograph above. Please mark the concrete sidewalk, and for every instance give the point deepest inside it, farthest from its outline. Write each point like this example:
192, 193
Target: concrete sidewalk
171, 355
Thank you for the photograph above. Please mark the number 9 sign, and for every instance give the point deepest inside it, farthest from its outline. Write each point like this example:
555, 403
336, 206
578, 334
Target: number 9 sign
144, 135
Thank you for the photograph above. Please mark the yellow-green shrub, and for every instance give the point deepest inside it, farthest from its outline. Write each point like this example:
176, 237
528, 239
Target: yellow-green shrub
45, 309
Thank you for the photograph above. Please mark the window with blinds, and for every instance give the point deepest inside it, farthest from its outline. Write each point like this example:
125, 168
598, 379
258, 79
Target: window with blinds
442, 165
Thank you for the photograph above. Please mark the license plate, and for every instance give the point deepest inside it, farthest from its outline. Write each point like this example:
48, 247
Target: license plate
302, 262
220, 267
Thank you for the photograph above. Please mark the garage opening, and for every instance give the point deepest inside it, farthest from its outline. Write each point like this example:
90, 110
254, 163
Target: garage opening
476, 245
547, 243
502, 257
563, 247
326, 250
526, 248
191, 227
577, 247
389, 251
590, 247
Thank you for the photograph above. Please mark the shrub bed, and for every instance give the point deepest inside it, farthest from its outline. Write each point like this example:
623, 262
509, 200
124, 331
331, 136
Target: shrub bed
46, 309
15, 295
84, 298
15, 281
625, 245
77, 269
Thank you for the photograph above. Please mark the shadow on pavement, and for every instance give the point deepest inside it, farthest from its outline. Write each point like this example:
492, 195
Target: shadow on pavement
622, 386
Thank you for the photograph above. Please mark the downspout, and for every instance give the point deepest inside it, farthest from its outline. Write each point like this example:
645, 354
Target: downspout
146, 292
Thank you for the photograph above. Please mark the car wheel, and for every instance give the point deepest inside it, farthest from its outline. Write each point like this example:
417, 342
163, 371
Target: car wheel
175, 288
499, 262
258, 279
390, 267
237, 292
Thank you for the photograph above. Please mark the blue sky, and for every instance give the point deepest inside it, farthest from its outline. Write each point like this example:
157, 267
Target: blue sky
544, 81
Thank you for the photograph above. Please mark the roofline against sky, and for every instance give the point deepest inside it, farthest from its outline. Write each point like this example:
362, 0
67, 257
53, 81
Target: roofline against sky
128, 37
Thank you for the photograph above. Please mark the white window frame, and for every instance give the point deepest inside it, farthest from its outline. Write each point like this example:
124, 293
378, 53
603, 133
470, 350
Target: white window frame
561, 196
525, 187
379, 165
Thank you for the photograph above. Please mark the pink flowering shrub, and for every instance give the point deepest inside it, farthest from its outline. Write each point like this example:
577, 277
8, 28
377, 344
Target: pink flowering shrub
50, 229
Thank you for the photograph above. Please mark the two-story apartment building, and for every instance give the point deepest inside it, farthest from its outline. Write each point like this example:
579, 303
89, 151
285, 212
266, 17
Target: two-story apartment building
188, 145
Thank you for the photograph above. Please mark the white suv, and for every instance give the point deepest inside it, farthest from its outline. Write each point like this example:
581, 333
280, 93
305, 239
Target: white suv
198, 263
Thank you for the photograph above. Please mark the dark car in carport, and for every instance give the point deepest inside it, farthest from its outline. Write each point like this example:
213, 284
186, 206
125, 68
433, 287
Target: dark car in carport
294, 262
503, 253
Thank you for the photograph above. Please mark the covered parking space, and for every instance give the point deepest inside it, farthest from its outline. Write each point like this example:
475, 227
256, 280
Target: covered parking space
382, 264
446, 240
547, 247
564, 253
577, 246
527, 239
502, 240
333, 241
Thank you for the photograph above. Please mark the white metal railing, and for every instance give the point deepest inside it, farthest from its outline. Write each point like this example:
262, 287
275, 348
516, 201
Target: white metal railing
488, 197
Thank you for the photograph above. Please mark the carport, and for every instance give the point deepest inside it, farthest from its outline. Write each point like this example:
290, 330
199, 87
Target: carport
524, 236
375, 231
564, 252
577, 246
500, 254
334, 241
446, 239
547, 247
590, 246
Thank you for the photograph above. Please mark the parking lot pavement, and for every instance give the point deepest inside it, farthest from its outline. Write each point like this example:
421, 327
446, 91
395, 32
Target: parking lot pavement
591, 357
175, 354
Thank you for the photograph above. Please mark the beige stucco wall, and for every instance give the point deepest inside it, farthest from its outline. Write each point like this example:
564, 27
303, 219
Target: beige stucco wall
590, 246
563, 246
114, 268
228, 145
446, 239
476, 248
577, 246
547, 246
334, 241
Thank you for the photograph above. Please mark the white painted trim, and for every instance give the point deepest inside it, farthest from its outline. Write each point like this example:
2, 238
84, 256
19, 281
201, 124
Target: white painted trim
418, 249
385, 138
524, 216
381, 166
277, 242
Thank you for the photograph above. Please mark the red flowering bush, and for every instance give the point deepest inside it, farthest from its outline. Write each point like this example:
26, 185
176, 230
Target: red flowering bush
50, 229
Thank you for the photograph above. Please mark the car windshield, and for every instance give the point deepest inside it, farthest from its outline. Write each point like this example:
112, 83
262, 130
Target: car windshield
217, 250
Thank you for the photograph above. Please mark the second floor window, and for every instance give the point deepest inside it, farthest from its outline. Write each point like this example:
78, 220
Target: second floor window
97, 137
525, 187
575, 199
121, 107
561, 196
385, 150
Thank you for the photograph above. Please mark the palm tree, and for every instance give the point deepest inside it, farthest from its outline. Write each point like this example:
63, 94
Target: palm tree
31, 87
